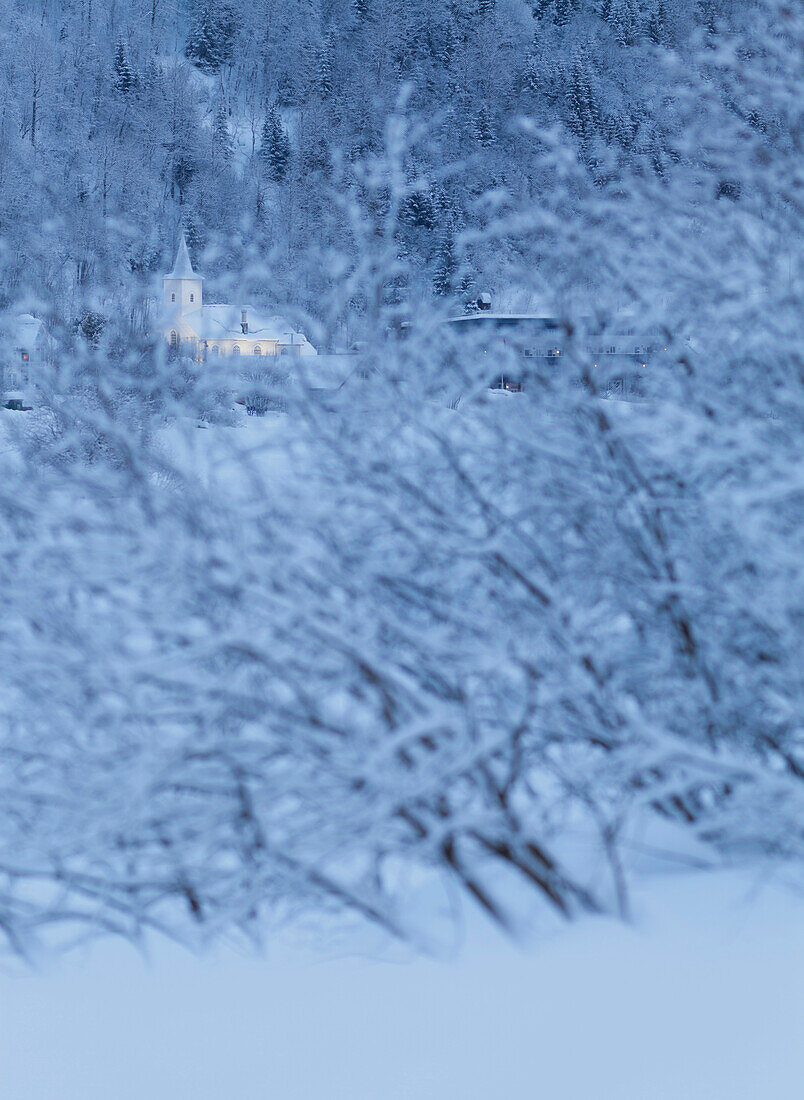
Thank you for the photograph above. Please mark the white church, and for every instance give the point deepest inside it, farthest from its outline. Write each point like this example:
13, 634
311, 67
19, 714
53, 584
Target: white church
201, 331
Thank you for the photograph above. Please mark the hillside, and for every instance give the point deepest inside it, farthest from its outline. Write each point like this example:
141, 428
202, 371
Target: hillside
245, 122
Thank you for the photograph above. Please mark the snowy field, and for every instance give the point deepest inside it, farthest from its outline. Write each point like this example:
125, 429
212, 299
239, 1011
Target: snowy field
701, 999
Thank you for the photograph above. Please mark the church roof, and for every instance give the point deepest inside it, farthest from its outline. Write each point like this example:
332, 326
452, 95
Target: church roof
223, 322
183, 267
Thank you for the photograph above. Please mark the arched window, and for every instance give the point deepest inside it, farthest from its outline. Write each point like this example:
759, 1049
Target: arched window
236, 349
215, 349
173, 297
174, 340
192, 297
257, 349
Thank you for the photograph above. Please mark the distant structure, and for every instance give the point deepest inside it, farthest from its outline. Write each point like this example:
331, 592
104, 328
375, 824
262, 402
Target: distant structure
200, 331
21, 351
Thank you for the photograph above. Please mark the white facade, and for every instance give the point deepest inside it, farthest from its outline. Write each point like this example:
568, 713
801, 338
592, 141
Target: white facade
202, 331
21, 349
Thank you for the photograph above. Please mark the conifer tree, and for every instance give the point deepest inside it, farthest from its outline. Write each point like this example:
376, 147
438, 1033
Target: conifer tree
211, 38
542, 9
706, 15
562, 12
624, 19
123, 77
323, 70
286, 93
445, 265
275, 147
584, 113
222, 145
484, 126
532, 77
657, 25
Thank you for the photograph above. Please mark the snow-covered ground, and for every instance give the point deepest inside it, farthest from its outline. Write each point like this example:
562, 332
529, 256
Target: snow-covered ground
701, 999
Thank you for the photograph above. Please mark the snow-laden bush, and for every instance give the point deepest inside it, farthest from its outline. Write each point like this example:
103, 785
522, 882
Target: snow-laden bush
414, 632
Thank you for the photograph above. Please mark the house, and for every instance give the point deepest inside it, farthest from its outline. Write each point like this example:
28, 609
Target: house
21, 350
201, 331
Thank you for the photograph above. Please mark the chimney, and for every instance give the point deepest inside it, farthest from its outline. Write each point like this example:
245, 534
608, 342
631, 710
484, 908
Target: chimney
244, 321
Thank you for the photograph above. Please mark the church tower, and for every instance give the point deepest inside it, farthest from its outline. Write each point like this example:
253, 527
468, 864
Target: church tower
183, 288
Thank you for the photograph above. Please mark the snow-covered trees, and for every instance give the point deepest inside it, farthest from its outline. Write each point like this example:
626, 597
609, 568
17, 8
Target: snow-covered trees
123, 76
412, 635
211, 37
275, 146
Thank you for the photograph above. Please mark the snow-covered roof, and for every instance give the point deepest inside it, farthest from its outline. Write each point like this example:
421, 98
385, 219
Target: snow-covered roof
223, 322
183, 267
473, 318
23, 330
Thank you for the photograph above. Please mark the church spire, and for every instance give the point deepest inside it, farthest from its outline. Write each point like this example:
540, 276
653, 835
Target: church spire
183, 267
183, 289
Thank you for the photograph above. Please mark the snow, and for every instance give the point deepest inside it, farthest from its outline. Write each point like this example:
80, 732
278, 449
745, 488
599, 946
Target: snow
700, 999
183, 267
222, 322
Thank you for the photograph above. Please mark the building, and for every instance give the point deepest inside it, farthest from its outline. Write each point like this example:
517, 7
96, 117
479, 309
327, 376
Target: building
523, 347
202, 331
21, 351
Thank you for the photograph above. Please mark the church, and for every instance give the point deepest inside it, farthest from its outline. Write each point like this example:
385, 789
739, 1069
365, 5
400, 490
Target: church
200, 331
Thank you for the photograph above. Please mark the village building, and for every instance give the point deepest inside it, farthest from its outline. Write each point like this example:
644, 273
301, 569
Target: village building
203, 331
22, 349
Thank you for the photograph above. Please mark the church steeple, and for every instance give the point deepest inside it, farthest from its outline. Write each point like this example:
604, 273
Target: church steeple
183, 267
183, 287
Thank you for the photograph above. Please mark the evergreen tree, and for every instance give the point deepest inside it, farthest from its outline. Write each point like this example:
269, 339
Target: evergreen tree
533, 75
419, 211
624, 20
445, 264
484, 126
123, 77
542, 9
286, 92
657, 25
324, 70
275, 147
211, 38
222, 144
706, 15
584, 113
562, 12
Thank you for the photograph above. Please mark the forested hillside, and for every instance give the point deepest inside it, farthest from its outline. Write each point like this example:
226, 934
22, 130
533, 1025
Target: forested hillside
243, 119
